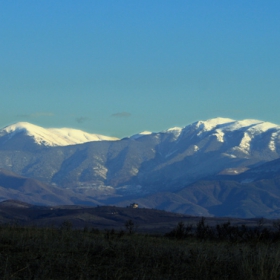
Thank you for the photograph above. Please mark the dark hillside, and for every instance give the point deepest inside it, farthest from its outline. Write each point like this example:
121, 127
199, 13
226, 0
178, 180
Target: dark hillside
102, 217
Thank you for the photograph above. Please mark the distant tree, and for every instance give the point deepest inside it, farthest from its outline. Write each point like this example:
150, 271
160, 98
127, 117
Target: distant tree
66, 225
276, 225
130, 226
203, 231
180, 231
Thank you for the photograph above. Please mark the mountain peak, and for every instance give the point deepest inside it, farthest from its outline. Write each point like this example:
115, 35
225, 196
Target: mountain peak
138, 135
230, 124
212, 123
52, 136
21, 126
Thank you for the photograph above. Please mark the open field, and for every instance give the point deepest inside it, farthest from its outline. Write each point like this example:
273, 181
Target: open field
202, 252
108, 242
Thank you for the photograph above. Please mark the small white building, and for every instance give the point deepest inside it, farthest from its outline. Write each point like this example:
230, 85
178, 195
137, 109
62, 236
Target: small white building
133, 205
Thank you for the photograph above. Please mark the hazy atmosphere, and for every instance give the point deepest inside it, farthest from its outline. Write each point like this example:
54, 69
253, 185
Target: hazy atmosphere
120, 67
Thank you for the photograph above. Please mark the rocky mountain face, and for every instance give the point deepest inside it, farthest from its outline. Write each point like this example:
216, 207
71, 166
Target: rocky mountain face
147, 165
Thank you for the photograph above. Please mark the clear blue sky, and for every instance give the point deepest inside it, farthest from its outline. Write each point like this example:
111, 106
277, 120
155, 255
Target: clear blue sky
121, 67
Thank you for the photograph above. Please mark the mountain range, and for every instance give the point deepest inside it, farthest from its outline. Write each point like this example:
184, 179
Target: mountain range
217, 167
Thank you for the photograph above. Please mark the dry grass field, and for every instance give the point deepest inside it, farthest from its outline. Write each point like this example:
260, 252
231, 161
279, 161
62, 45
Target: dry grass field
203, 252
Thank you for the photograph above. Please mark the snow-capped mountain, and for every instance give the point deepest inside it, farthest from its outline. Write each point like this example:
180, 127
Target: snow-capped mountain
143, 164
51, 136
240, 139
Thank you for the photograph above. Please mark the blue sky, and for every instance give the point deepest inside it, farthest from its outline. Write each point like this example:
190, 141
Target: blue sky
121, 67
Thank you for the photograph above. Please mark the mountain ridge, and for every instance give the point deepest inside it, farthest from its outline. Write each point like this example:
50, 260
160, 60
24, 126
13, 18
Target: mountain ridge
73, 136
147, 164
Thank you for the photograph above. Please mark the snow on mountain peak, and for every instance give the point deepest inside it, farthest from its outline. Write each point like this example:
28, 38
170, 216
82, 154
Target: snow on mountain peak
53, 136
226, 124
217, 121
242, 124
212, 123
264, 126
252, 126
174, 129
217, 127
143, 133
21, 126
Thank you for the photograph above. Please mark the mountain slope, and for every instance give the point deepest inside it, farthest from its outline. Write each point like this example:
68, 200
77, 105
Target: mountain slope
13, 186
254, 193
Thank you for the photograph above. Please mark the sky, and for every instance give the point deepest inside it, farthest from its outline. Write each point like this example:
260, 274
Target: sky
121, 67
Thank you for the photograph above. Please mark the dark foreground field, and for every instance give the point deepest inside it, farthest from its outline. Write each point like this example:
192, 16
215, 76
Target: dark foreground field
199, 252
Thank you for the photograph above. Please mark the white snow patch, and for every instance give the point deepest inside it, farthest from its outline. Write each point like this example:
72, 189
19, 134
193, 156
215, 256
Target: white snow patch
100, 170
168, 155
263, 127
229, 155
252, 125
271, 144
176, 131
195, 148
212, 123
236, 125
145, 132
138, 135
245, 143
220, 135
134, 171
